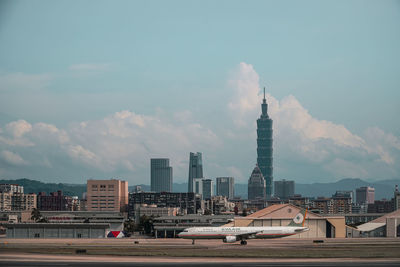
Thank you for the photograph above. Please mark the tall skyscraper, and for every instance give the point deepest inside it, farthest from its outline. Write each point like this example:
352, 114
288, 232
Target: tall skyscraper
284, 189
195, 169
256, 185
365, 195
161, 175
226, 187
208, 188
264, 146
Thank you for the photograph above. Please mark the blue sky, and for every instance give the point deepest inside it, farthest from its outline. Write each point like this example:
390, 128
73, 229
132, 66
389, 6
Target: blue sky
148, 68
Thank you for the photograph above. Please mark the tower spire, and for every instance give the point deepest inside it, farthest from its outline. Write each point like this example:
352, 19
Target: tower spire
264, 92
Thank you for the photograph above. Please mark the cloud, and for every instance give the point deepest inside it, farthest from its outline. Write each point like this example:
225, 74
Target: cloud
309, 147
18, 128
120, 144
245, 86
12, 158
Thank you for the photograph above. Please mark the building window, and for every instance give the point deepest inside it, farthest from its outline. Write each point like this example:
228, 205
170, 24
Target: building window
37, 235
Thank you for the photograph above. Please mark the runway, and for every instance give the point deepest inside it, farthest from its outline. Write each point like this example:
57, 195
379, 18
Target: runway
168, 252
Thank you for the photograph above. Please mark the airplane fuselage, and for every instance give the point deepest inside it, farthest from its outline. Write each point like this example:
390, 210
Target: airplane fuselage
249, 232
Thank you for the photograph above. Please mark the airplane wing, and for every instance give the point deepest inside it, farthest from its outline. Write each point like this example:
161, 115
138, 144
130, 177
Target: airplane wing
247, 235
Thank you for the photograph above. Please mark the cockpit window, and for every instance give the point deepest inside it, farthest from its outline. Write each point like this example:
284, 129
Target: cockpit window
185, 231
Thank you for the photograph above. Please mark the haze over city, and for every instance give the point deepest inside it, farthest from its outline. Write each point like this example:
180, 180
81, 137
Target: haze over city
95, 91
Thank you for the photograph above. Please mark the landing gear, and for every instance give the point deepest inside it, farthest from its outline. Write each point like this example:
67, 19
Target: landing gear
243, 242
192, 241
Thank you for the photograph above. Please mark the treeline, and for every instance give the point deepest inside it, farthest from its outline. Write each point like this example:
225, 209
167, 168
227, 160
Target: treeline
33, 186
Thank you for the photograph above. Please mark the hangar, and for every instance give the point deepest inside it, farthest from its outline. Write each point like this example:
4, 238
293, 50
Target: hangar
282, 215
387, 225
57, 230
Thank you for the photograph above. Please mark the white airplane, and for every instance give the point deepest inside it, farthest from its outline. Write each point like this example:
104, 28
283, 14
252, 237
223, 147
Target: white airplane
233, 234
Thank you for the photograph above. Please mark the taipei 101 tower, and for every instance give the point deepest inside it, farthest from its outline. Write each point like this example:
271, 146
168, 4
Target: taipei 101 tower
264, 146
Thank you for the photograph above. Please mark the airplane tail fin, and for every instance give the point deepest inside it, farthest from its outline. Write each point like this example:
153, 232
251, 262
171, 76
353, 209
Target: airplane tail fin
299, 219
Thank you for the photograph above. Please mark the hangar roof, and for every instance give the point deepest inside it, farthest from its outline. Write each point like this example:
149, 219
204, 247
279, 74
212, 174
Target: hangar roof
382, 219
369, 226
281, 211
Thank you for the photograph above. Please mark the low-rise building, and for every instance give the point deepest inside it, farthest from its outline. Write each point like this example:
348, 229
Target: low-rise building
387, 225
219, 205
188, 203
57, 230
154, 211
300, 201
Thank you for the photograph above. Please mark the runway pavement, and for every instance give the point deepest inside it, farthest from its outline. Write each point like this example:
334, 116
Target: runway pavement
146, 252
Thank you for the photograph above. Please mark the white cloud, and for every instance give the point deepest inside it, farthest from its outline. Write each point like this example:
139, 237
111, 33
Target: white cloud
12, 158
18, 128
303, 142
119, 144
245, 86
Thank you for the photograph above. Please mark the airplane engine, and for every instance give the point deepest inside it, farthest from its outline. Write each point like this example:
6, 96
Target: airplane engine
230, 239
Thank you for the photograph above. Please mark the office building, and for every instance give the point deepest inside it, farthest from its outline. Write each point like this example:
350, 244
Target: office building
188, 203
342, 202
264, 146
53, 202
107, 195
381, 206
365, 195
5, 201
322, 205
284, 189
161, 175
11, 188
226, 187
198, 186
208, 188
195, 168
256, 185
23, 202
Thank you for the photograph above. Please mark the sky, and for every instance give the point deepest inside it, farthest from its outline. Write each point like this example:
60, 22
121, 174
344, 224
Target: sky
94, 89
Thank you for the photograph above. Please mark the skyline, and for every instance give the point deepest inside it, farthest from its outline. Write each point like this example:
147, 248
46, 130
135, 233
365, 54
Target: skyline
98, 95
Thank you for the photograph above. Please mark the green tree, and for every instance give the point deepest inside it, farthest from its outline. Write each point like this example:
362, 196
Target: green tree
244, 212
36, 215
146, 223
130, 226
207, 212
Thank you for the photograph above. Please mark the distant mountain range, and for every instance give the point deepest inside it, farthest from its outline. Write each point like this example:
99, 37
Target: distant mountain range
383, 189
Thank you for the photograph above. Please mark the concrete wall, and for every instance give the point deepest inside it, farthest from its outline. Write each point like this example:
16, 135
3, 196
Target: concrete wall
340, 226
317, 226
55, 231
392, 224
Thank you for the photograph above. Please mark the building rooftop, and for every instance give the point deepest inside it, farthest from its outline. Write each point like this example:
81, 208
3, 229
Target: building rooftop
281, 211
